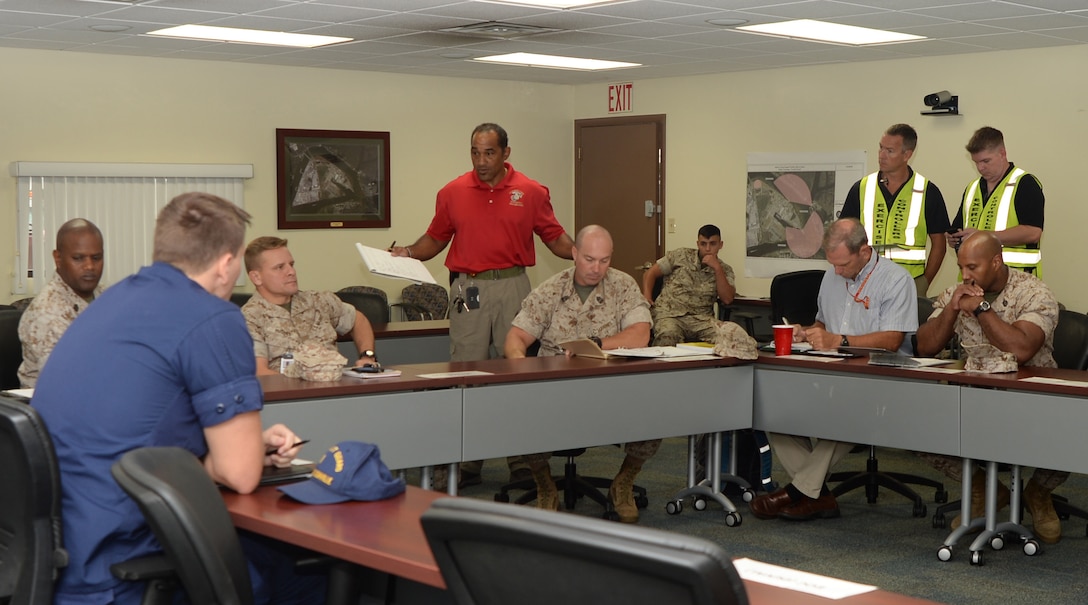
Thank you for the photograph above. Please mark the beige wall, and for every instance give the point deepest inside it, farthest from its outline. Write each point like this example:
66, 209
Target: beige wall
713, 121
84, 107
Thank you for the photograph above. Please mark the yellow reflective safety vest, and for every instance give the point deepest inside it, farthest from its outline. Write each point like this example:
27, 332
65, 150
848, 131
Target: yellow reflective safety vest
999, 214
897, 233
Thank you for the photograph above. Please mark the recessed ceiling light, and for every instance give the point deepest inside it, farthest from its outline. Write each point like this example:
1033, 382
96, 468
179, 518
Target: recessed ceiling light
110, 28
556, 62
556, 3
246, 36
727, 22
820, 31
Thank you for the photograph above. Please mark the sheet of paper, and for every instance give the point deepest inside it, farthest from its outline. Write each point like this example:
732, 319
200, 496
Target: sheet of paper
801, 581
1057, 381
28, 393
812, 357
689, 358
382, 262
455, 374
387, 373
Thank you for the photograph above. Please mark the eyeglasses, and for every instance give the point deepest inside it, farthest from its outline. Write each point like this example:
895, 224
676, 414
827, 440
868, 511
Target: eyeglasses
857, 295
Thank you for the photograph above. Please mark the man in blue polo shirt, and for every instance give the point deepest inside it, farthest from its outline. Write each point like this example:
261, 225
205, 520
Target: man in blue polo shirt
161, 359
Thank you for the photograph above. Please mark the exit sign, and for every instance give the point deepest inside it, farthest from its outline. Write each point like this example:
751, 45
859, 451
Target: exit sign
619, 97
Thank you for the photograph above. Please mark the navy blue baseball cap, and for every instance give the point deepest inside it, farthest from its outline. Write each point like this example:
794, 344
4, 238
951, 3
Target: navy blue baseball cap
349, 470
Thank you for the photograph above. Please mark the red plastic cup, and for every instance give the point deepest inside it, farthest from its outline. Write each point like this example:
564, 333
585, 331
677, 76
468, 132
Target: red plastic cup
783, 339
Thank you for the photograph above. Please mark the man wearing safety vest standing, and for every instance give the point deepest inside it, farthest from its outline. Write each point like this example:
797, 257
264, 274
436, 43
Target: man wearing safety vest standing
900, 209
1006, 200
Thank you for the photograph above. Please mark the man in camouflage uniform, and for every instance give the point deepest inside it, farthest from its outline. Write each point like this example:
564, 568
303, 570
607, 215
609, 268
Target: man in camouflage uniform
1003, 318
693, 280
78, 258
590, 300
281, 318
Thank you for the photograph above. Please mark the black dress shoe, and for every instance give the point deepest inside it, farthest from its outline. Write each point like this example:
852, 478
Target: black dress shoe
768, 506
807, 509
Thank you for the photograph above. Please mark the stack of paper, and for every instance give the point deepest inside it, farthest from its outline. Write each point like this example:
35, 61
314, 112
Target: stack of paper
381, 262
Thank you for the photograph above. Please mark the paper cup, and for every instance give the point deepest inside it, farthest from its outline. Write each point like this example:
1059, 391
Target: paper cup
783, 339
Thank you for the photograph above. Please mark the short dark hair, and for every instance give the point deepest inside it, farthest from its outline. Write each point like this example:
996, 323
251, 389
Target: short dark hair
74, 227
708, 231
910, 136
845, 231
195, 229
504, 141
259, 246
985, 139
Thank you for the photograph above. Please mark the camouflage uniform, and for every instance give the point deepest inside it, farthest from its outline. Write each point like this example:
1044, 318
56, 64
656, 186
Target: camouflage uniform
1024, 298
314, 317
685, 307
553, 313
43, 323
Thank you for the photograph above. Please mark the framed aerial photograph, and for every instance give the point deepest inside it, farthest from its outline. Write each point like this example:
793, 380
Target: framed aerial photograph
332, 179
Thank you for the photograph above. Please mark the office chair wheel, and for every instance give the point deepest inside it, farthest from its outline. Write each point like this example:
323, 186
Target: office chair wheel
944, 553
674, 507
732, 519
504, 498
997, 542
747, 495
940, 496
976, 557
919, 509
698, 503
1031, 547
642, 501
939, 521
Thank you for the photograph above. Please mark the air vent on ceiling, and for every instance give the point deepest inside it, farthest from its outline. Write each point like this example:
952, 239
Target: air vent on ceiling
498, 30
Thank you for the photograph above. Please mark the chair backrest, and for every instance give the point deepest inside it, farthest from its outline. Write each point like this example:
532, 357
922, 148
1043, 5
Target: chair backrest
183, 507
1071, 340
31, 535
240, 298
11, 348
433, 298
371, 302
22, 303
925, 309
794, 296
484, 549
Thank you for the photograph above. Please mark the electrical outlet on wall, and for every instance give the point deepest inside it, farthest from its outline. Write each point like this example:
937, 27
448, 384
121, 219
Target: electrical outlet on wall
672, 225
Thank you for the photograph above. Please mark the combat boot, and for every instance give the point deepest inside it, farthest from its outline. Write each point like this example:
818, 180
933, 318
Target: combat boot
547, 496
622, 490
1048, 528
978, 497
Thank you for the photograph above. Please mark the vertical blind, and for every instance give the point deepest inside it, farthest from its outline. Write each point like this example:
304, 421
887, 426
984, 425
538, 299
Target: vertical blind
122, 199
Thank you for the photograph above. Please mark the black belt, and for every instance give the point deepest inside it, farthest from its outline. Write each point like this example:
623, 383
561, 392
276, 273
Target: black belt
490, 274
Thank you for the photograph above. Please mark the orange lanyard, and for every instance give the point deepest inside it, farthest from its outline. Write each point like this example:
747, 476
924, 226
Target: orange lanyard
864, 301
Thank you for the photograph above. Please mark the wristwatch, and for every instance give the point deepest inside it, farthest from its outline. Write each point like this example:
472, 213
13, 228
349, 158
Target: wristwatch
368, 353
845, 342
982, 307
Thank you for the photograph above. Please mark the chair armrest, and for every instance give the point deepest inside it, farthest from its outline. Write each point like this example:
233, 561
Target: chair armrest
143, 568
405, 307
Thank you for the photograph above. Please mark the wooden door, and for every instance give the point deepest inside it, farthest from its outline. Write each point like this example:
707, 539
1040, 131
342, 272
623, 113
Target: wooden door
619, 183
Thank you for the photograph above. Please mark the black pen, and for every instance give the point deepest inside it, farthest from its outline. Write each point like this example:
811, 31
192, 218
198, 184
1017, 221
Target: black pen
393, 245
273, 450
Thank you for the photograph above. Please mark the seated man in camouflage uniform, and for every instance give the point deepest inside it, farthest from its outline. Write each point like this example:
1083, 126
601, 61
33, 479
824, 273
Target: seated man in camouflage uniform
1004, 319
589, 300
693, 280
78, 259
280, 317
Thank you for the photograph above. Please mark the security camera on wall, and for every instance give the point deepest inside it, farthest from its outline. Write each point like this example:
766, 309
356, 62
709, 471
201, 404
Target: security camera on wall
942, 103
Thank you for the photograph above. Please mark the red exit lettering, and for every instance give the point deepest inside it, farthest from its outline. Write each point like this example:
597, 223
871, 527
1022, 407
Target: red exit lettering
619, 97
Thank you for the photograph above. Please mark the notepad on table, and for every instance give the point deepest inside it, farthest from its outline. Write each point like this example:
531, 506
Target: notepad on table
381, 262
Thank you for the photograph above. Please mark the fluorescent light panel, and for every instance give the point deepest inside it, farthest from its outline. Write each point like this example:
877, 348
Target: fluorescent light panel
555, 62
820, 31
556, 3
246, 36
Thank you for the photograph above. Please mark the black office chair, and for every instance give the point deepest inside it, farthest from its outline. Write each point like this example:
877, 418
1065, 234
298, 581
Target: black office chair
11, 348
240, 298
573, 485
794, 296
484, 549
31, 535
371, 302
419, 302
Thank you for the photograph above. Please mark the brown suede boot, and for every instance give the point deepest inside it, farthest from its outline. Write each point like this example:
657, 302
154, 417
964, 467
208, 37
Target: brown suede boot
978, 497
547, 496
1048, 528
622, 490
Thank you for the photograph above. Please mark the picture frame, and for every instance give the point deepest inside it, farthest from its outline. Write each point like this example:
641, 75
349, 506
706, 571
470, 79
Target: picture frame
332, 179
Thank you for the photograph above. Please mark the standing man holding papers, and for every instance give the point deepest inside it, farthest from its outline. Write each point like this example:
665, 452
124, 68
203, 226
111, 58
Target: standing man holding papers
865, 301
490, 214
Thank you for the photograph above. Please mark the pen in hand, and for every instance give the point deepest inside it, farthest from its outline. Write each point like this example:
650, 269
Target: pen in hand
393, 245
273, 450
